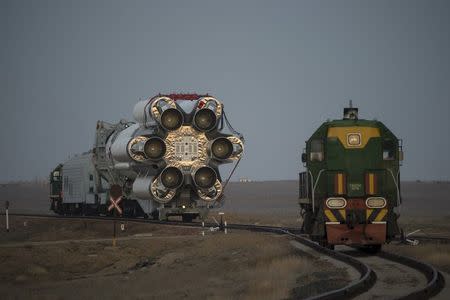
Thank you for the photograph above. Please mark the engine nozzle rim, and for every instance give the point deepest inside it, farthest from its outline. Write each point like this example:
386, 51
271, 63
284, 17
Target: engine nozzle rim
212, 180
179, 121
210, 126
162, 152
227, 143
179, 178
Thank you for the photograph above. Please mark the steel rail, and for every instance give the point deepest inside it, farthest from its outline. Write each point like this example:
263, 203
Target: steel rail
435, 279
262, 228
363, 284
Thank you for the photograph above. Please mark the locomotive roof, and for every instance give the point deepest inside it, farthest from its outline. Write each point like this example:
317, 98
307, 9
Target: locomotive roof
322, 130
357, 122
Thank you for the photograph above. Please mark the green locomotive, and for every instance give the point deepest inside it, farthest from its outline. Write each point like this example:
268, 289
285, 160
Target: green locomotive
351, 187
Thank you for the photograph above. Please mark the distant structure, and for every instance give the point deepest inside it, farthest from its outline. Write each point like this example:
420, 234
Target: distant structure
244, 179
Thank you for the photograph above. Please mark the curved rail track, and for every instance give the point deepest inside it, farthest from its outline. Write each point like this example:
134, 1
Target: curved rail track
398, 276
368, 277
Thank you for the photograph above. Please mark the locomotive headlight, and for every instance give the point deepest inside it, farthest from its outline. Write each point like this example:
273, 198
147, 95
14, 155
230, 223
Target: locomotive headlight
376, 202
336, 203
354, 139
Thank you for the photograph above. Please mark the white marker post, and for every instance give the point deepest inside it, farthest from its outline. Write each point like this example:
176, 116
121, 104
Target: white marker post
7, 215
221, 226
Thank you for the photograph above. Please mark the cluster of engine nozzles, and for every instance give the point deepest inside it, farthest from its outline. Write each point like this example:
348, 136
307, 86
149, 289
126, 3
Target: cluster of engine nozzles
204, 177
186, 147
154, 148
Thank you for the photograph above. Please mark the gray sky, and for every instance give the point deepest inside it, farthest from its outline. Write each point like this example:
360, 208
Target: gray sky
280, 67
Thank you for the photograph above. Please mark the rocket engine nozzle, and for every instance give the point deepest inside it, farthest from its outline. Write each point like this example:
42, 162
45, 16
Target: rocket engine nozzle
171, 178
205, 119
222, 148
154, 148
205, 177
171, 119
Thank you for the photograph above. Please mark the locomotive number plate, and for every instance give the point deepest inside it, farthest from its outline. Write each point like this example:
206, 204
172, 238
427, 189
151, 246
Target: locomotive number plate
355, 186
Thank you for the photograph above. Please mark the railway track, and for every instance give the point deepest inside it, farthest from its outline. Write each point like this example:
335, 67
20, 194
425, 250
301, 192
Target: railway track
398, 277
369, 271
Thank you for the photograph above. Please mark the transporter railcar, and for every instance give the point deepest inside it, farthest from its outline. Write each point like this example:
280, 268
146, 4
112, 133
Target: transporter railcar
350, 191
166, 163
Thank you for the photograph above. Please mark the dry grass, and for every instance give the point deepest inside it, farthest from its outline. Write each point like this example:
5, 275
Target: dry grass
273, 279
270, 268
239, 265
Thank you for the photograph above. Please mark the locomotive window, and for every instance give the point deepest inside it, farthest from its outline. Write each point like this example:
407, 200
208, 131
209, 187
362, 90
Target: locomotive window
389, 150
316, 150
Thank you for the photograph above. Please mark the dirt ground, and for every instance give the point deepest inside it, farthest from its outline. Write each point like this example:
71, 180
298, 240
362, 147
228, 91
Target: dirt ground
55, 259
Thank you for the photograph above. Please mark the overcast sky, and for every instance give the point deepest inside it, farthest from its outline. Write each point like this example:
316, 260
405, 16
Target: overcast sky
280, 67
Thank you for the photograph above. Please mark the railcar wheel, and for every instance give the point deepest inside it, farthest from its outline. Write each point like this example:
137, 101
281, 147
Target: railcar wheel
308, 221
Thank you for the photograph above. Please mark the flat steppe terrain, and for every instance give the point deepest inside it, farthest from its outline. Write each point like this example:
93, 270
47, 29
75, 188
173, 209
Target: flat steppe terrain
53, 259
75, 259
